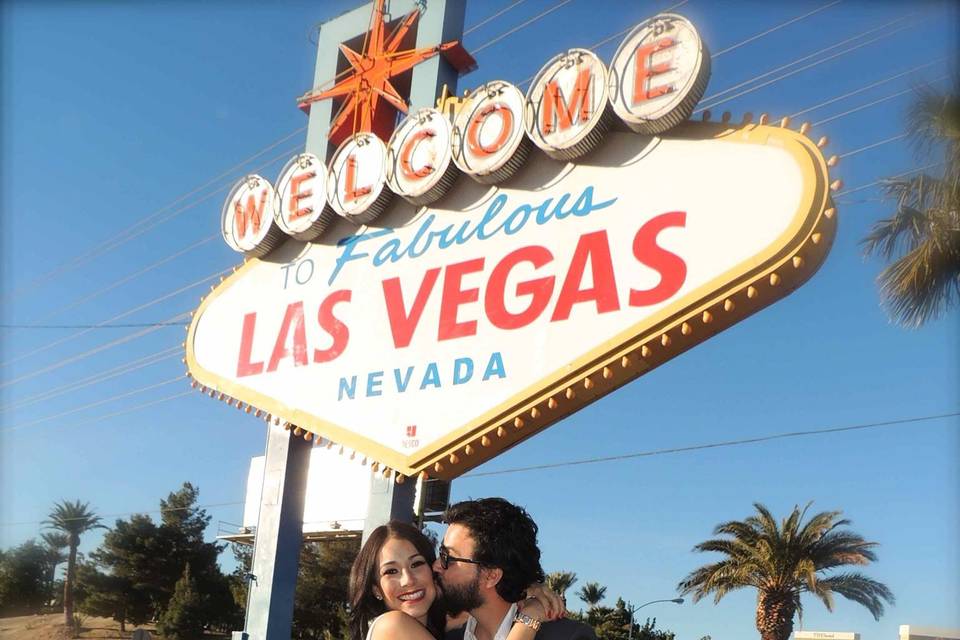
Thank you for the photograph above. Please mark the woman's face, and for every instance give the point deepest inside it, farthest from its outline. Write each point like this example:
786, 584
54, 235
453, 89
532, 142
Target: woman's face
406, 579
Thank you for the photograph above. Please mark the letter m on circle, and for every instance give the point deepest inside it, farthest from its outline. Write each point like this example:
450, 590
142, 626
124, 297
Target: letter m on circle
559, 115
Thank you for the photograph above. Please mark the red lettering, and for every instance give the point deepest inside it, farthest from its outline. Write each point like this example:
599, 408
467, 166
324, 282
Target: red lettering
454, 296
332, 325
244, 365
476, 123
251, 213
402, 324
293, 316
539, 289
670, 266
595, 248
352, 191
407, 150
644, 71
554, 109
296, 195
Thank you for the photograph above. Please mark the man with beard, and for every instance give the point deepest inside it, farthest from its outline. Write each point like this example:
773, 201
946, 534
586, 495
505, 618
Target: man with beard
489, 556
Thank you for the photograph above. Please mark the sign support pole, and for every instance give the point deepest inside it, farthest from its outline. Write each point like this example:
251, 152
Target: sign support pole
276, 551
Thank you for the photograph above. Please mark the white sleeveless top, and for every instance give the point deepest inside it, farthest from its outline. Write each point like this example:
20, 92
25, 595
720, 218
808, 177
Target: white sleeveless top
370, 628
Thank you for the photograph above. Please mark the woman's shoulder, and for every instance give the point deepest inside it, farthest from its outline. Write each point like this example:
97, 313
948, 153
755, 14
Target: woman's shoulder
396, 624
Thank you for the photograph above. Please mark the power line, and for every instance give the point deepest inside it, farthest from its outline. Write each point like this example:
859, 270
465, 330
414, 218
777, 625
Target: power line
124, 314
107, 245
520, 26
86, 354
127, 367
774, 29
119, 396
866, 88
714, 445
868, 105
136, 274
92, 326
815, 63
628, 456
131, 513
871, 146
882, 180
493, 17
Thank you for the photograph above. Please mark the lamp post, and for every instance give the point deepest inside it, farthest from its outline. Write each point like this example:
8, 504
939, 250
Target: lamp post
633, 609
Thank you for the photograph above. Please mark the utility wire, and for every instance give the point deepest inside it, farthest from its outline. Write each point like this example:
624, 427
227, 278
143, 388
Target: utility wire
869, 104
119, 316
774, 29
119, 396
793, 72
108, 244
640, 454
86, 354
866, 88
871, 146
520, 26
131, 513
715, 445
93, 326
127, 367
493, 17
127, 278
882, 180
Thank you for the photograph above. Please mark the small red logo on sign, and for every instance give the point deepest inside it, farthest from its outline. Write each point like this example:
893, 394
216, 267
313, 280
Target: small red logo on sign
412, 431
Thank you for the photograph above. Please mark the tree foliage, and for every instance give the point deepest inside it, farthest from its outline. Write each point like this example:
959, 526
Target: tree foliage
186, 613
783, 560
613, 623
137, 567
25, 586
592, 593
560, 581
921, 240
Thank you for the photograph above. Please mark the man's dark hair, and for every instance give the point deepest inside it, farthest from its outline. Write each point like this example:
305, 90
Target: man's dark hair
505, 537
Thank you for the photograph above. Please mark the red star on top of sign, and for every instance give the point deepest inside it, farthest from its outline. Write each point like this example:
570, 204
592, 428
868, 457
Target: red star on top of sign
367, 85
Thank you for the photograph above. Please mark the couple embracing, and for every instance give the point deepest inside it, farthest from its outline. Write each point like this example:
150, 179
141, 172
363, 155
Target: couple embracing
488, 566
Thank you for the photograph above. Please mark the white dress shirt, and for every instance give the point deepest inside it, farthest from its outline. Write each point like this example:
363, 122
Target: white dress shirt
502, 631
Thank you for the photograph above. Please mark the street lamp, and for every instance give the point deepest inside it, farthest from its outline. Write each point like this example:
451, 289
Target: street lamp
632, 609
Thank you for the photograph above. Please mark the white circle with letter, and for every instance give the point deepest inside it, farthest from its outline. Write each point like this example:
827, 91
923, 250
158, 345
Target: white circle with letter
356, 184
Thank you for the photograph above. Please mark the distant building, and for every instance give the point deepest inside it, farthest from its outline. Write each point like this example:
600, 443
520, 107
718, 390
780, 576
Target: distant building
913, 632
825, 635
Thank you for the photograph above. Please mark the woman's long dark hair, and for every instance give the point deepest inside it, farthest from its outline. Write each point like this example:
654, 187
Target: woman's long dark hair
365, 575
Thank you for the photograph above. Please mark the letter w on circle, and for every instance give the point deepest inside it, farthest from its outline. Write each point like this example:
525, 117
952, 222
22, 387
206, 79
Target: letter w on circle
559, 115
253, 212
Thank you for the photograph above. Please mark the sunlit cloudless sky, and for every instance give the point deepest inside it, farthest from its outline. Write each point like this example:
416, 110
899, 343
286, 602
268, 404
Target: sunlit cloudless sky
112, 111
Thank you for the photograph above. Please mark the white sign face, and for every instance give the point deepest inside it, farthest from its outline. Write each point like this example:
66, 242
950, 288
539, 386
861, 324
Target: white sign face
358, 178
489, 136
338, 490
566, 102
659, 73
454, 331
302, 190
419, 156
247, 220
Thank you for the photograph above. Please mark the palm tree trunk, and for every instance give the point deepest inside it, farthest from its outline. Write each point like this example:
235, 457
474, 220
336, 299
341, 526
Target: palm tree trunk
68, 582
775, 610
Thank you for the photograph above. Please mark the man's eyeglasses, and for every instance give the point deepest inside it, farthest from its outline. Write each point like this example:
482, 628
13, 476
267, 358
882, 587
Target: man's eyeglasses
446, 558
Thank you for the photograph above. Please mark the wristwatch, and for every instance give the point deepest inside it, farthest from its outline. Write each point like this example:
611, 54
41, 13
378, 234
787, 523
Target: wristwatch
523, 618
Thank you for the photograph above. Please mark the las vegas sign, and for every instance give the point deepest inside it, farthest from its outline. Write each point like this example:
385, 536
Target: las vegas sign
433, 299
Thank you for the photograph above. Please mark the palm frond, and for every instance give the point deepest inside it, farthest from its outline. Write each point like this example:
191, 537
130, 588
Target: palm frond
862, 590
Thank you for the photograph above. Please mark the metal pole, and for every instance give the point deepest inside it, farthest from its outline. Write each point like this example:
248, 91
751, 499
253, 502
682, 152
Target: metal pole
276, 548
632, 609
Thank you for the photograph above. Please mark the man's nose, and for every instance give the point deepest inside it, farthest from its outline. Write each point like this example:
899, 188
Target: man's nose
437, 567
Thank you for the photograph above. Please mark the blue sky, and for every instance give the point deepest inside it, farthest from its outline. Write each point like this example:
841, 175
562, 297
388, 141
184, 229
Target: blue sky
112, 111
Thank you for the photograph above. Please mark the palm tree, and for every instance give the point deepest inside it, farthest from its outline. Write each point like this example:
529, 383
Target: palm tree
55, 542
592, 593
783, 560
560, 581
73, 519
922, 237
